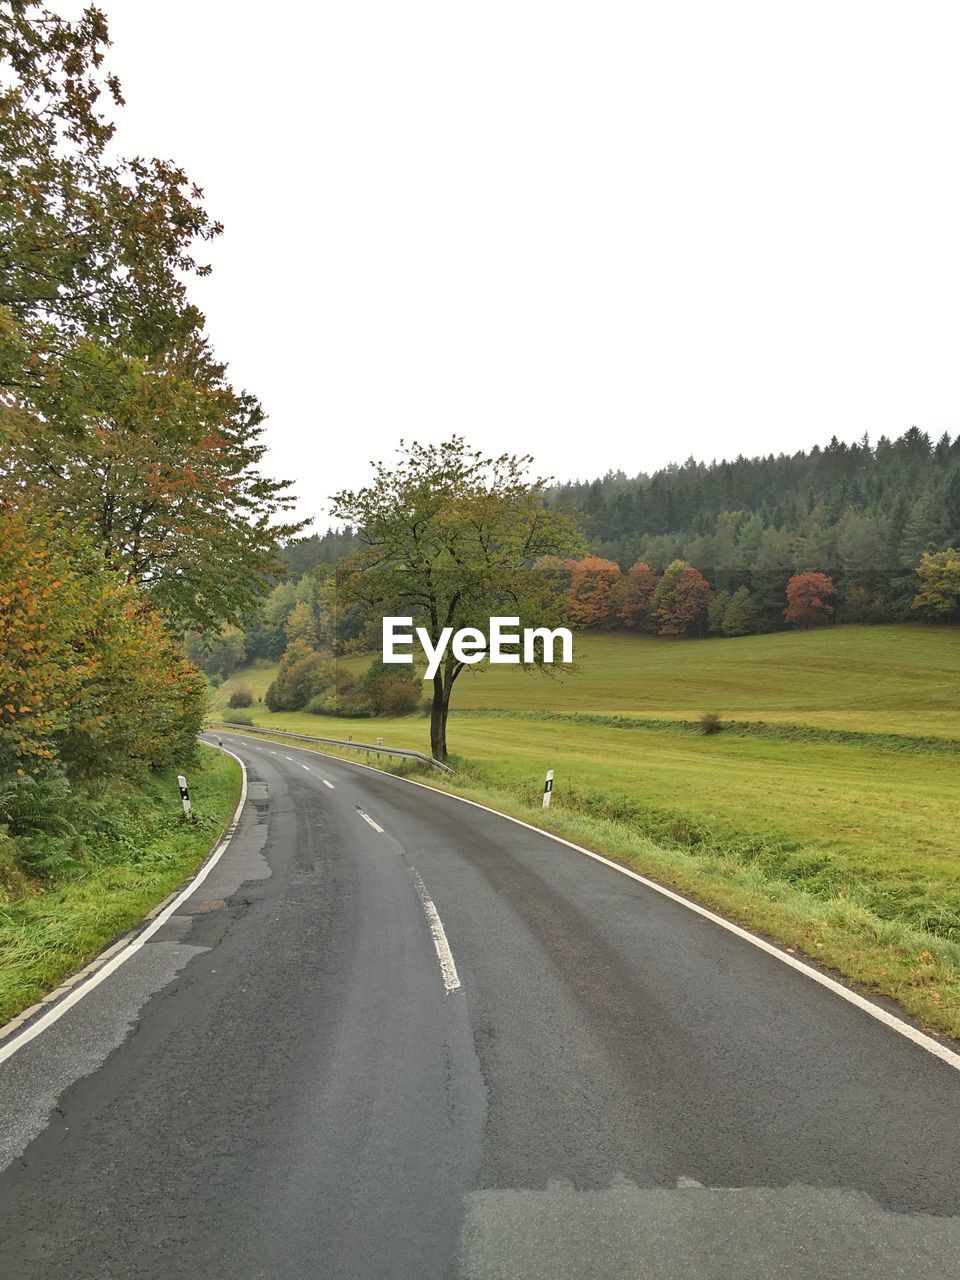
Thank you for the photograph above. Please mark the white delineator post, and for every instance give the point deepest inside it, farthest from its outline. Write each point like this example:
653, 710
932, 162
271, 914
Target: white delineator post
548, 789
184, 795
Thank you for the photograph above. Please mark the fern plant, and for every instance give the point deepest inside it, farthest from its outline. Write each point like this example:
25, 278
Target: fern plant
36, 805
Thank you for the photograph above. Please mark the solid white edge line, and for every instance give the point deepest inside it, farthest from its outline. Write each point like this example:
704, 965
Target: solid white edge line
919, 1038
448, 969
53, 1015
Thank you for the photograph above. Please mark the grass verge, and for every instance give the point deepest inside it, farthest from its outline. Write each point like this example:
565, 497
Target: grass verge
891, 928
135, 850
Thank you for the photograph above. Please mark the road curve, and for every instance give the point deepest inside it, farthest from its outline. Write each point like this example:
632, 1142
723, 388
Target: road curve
396, 1037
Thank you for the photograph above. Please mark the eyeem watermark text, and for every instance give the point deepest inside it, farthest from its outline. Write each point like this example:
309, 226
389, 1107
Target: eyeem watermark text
506, 643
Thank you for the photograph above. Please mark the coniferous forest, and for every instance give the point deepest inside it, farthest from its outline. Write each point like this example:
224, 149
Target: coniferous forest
863, 514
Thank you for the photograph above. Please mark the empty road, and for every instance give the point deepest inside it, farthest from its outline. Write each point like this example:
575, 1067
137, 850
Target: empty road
392, 1036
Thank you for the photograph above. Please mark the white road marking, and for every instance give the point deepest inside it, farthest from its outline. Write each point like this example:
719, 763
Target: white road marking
8, 1049
919, 1038
366, 817
290, 758
329, 784
448, 969
305, 766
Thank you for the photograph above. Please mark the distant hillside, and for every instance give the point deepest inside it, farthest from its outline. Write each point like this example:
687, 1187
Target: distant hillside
860, 512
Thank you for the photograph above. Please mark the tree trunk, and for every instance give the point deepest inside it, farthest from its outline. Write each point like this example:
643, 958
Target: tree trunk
438, 719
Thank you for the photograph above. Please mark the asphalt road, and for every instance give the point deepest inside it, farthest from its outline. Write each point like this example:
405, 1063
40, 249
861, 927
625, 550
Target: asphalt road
395, 1037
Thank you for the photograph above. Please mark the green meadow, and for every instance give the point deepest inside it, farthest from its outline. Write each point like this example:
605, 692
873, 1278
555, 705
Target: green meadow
825, 813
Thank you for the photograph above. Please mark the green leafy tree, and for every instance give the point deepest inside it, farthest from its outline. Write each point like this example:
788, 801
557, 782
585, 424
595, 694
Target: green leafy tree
161, 467
939, 592
449, 538
715, 612
741, 616
89, 242
301, 625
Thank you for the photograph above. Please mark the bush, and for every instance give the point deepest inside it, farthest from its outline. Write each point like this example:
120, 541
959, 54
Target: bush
710, 722
396, 696
391, 691
241, 717
241, 697
303, 675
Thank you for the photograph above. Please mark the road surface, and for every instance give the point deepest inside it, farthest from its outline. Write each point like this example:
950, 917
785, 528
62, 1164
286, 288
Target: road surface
396, 1037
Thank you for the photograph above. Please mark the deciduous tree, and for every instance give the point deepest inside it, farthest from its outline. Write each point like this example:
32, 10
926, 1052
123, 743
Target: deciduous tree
450, 538
808, 599
939, 592
681, 600
634, 594
593, 592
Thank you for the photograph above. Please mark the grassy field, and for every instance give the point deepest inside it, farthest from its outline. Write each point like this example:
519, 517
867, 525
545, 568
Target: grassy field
831, 824
891, 679
141, 852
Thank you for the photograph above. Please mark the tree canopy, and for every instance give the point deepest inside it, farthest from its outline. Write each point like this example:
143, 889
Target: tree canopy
450, 537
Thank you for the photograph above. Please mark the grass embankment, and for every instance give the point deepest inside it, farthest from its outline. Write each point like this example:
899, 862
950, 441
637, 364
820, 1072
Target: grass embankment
131, 850
827, 818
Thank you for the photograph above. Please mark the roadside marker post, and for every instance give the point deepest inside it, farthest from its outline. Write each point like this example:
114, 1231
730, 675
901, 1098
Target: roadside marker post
184, 796
548, 789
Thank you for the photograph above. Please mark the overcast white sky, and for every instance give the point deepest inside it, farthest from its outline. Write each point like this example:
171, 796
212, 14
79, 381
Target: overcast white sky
609, 234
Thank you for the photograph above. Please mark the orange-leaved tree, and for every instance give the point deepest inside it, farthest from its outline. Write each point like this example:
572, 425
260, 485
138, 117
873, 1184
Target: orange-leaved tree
680, 602
808, 599
88, 674
593, 585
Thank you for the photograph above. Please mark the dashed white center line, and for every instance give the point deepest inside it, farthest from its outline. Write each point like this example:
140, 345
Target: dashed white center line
328, 784
366, 817
305, 766
448, 969
290, 758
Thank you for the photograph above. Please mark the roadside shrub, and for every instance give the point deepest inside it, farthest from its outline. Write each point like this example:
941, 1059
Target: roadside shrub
303, 674
241, 697
241, 717
391, 691
710, 722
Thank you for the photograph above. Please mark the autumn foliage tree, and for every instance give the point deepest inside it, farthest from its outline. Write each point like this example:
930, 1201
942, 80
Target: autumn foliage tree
680, 602
593, 592
808, 599
633, 596
89, 676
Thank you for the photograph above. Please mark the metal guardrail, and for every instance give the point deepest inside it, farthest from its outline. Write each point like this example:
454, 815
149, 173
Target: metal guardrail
334, 742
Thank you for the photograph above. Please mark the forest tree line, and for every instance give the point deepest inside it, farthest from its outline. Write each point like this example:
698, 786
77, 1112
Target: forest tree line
874, 528
863, 514
133, 509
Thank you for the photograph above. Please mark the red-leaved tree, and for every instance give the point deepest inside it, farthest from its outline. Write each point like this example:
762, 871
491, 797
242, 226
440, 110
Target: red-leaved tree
634, 593
808, 596
593, 585
680, 602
